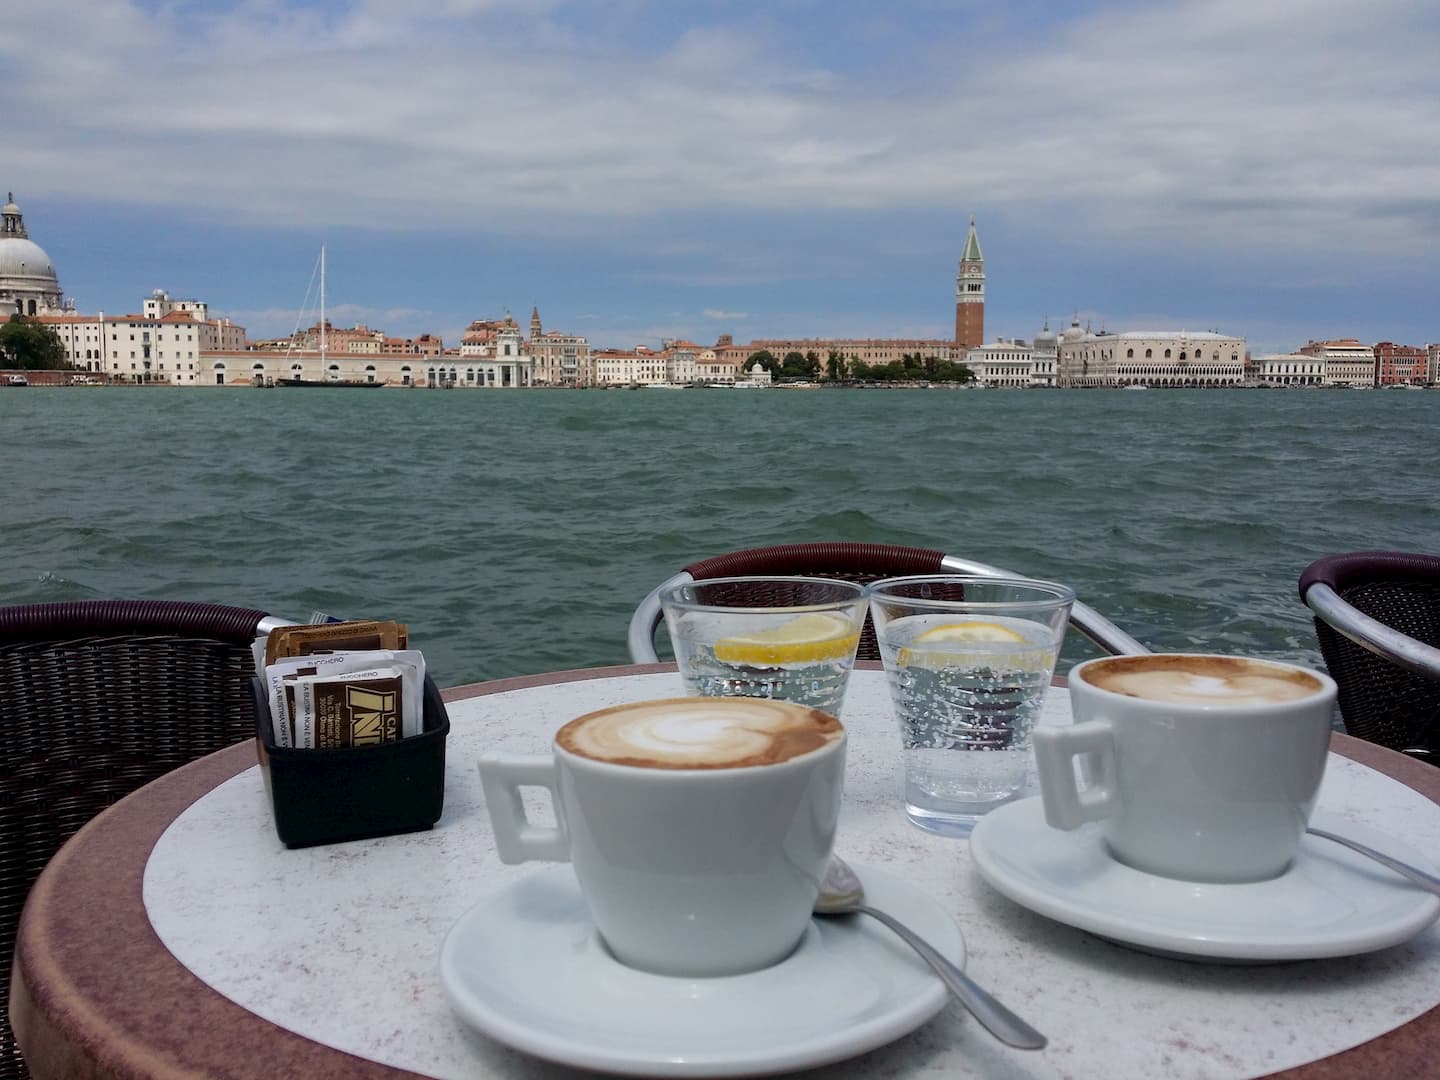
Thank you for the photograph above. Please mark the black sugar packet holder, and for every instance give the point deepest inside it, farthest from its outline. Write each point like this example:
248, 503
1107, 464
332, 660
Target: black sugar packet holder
326, 796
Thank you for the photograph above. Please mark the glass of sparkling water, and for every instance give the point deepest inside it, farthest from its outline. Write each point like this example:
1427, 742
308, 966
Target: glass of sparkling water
792, 638
968, 660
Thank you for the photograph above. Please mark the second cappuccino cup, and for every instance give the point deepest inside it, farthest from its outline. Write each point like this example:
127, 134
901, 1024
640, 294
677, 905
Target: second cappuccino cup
1201, 767
698, 828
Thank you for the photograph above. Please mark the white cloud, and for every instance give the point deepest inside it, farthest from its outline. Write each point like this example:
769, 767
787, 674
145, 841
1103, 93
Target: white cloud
716, 313
1284, 124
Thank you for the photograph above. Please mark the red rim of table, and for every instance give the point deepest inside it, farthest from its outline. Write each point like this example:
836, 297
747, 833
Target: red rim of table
95, 993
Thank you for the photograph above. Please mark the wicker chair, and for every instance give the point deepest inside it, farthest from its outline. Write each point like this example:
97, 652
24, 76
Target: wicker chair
851, 562
97, 698
1377, 616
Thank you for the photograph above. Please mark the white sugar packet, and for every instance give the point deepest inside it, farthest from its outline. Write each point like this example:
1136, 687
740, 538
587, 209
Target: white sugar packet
290, 669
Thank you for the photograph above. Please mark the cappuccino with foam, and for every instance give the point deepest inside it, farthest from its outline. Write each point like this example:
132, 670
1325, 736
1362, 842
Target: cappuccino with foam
1181, 679
699, 828
1199, 767
699, 733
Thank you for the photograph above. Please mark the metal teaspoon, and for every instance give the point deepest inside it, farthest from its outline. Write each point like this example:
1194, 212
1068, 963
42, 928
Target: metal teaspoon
842, 894
1405, 870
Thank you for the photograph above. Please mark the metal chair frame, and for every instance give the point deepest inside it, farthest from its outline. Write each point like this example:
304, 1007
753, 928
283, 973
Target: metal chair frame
1324, 587
880, 561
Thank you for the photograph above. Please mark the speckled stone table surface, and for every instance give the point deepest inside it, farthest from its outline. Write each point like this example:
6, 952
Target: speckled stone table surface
176, 936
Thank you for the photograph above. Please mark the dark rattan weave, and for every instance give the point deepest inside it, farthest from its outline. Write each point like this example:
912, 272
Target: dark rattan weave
97, 699
1380, 701
861, 563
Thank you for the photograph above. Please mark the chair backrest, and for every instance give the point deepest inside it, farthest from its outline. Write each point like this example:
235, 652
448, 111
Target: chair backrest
98, 698
862, 563
1377, 619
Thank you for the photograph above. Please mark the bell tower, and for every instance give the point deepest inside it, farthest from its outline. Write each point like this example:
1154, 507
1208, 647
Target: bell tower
970, 293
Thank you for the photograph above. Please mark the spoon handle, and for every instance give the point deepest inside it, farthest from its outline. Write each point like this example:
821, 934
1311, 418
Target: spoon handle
1405, 870
993, 1016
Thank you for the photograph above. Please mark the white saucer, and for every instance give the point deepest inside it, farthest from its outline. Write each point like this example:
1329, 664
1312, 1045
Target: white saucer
1331, 902
526, 967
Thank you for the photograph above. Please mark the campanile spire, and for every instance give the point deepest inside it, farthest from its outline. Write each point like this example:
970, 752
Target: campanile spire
970, 293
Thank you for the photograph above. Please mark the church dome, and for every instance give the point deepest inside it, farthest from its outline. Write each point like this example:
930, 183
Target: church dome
1074, 332
28, 284
24, 258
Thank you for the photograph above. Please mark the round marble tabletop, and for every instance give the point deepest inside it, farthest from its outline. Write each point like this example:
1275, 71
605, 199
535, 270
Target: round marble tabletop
244, 991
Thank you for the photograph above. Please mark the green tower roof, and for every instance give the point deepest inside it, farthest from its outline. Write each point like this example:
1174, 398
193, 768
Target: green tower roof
972, 245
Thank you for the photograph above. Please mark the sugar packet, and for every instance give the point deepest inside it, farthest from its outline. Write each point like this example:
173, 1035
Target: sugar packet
302, 640
350, 709
285, 677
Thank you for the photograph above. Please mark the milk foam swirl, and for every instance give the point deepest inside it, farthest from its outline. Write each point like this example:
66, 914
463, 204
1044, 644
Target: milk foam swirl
699, 733
1202, 680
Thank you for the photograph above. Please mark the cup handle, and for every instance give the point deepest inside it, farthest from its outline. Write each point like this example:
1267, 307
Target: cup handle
1067, 805
517, 839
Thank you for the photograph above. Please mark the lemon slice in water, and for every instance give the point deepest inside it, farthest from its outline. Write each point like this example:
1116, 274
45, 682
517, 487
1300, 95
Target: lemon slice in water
805, 639
976, 631
967, 631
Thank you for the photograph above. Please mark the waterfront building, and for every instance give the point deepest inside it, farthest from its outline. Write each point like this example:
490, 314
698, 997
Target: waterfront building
732, 356
757, 376
424, 345
1168, 358
267, 367
682, 362
1347, 362
28, 283
1289, 369
970, 294
559, 359
636, 367
492, 355
339, 339
1001, 363
1400, 364
718, 366
164, 344
1014, 363
1432, 365
1044, 356
873, 351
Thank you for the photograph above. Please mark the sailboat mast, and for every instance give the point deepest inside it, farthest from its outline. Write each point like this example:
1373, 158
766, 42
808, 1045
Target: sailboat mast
322, 311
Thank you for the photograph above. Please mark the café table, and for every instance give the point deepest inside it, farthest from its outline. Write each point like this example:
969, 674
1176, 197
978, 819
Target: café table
176, 936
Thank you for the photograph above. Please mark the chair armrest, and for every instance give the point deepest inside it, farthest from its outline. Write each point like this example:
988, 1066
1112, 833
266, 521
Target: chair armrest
641, 634
1371, 634
1094, 626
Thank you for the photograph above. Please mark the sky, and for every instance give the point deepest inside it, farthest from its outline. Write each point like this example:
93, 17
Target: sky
642, 170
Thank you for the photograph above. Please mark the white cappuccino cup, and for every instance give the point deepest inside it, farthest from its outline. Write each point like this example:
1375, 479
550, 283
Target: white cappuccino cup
699, 828
1201, 767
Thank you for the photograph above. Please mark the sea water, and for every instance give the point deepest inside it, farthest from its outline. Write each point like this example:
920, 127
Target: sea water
516, 531
966, 710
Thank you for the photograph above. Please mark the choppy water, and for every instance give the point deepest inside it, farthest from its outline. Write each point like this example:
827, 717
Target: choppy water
515, 531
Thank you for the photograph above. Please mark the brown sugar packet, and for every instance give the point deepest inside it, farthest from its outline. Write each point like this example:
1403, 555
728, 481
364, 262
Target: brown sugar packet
333, 637
354, 709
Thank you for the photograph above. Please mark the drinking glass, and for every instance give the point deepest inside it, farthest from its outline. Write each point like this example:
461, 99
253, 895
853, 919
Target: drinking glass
968, 660
791, 638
